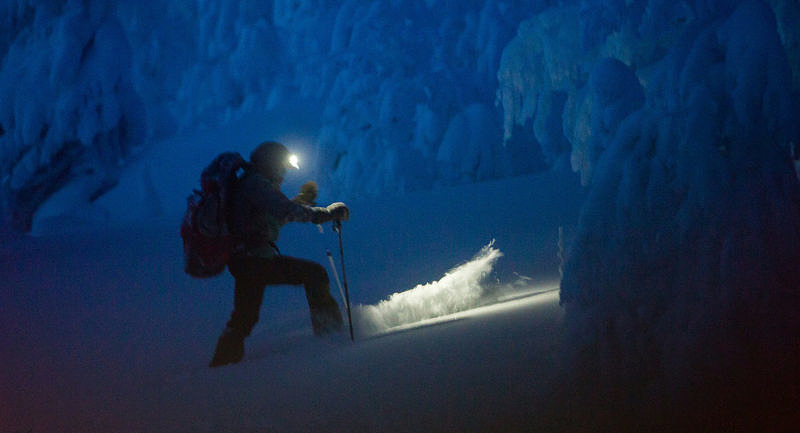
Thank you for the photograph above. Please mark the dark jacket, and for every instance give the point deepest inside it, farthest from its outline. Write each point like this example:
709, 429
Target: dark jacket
259, 210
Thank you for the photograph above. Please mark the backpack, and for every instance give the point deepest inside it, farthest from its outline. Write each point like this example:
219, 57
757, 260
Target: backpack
208, 243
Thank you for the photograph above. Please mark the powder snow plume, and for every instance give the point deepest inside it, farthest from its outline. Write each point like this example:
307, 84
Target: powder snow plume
460, 289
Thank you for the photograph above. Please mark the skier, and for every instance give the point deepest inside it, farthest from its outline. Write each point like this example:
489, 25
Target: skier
258, 210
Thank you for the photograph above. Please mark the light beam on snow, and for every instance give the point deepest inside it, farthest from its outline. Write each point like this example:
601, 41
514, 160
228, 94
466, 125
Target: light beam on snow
460, 289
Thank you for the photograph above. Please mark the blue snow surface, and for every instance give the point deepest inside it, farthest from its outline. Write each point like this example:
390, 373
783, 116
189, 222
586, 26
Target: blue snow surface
661, 137
104, 332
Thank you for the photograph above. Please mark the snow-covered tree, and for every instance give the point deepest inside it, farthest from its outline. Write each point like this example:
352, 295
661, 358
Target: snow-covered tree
69, 111
683, 279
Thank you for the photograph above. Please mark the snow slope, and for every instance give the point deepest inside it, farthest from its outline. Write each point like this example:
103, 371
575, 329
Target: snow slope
102, 331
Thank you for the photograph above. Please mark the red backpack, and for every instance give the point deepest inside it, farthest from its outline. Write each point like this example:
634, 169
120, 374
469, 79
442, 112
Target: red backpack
207, 240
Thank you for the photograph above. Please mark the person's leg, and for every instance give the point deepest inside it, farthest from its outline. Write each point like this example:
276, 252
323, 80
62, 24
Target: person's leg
251, 275
325, 314
250, 279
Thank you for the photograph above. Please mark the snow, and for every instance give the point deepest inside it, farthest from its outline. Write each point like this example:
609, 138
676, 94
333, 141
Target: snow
394, 83
106, 333
660, 137
123, 76
693, 213
459, 289
81, 131
117, 338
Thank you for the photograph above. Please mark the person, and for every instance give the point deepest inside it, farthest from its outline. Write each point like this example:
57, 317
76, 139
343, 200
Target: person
258, 210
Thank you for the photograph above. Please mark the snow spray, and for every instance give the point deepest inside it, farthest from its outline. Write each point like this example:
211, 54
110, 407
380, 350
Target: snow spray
460, 289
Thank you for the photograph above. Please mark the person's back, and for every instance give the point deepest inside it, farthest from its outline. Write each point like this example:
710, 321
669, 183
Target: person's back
258, 210
251, 218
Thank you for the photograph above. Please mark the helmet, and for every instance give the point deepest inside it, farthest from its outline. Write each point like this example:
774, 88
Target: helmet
271, 159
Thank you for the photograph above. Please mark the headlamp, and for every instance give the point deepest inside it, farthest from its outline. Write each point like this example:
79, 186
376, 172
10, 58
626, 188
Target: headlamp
294, 161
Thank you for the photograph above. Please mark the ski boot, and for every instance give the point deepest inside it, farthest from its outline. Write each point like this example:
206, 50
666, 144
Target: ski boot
326, 319
230, 348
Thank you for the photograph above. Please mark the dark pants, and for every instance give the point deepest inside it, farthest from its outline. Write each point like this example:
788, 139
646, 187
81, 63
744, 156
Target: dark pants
253, 274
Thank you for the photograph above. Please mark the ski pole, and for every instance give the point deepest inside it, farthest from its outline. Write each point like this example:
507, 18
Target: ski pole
335, 274
337, 226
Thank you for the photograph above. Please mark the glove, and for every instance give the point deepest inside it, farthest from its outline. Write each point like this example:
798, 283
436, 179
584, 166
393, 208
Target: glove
308, 193
339, 211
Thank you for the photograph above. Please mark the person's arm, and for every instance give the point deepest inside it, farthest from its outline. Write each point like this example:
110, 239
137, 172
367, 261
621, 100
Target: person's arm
285, 210
317, 215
